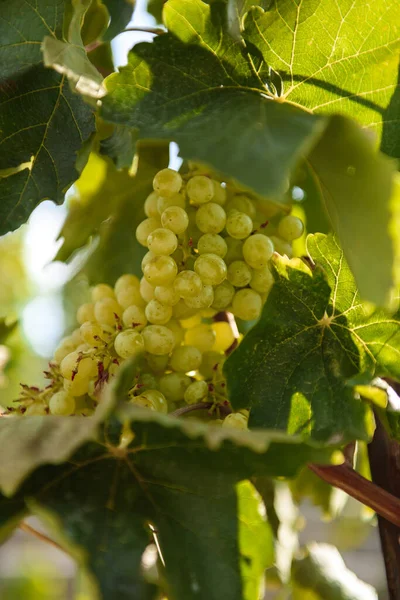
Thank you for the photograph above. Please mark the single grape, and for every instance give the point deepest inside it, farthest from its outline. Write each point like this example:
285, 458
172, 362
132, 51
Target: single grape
134, 317
130, 295
167, 295
125, 281
242, 204
201, 336
85, 313
35, 410
158, 364
212, 243
173, 386
158, 313
77, 387
235, 250
162, 241
211, 218
210, 363
175, 200
147, 380
281, 246
182, 311
160, 270
290, 228
262, 280
74, 366
107, 312
158, 339
211, 269
175, 218
239, 274
64, 347
188, 284
235, 420
219, 196
239, 225
145, 228
158, 400
196, 392
200, 189
151, 206
185, 359
62, 404
76, 337
247, 304
144, 402
223, 295
257, 250
177, 330
224, 336
203, 300
128, 343
92, 334
167, 182
102, 290
146, 290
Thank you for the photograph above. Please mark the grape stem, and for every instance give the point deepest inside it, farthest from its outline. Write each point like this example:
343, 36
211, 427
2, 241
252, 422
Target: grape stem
154, 30
39, 535
225, 410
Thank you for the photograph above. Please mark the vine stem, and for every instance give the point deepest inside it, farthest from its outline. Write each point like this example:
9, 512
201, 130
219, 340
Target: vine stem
154, 30
39, 535
347, 479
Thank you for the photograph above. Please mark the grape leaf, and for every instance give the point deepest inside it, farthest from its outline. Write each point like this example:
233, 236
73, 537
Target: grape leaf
314, 335
37, 110
333, 57
120, 12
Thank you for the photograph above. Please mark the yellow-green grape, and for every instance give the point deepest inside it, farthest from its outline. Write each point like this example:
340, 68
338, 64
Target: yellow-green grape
160, 270
203, 300
107, 311
146, 290
91, 333
185, 359
257, 250
200, 189
177, 330
158, 313
76, 336
281, 246
125, 281
224, 336
73, 366
173, 386
196, 392
223, 294
239, 274
35, 410
167, 294
85, 313
235, 420
64, 347
235, 250
239, 225
102, 290
158, 364
219, 196
208, 313
83, 347
175, 218
162, 241
201, 336
158, 339
175, 200
147, 380
211, 269
152, 399
247, 304
62, 404
182, 311
145, 228
128, 343
130, 295
77, 387
212, 243
210, 363
134, 317
290, 228
211, 218
188, 284
262, 280
144, 402
192, 321
167, 182
242, 204
151, 207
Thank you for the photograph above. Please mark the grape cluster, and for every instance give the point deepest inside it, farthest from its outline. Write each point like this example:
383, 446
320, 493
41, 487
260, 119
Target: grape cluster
208, 252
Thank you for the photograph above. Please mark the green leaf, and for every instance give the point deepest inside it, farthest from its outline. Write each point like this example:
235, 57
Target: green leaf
155, 8
320, 574
331, 500
120, 12
340, 57
120, 146
16, 287
37, 111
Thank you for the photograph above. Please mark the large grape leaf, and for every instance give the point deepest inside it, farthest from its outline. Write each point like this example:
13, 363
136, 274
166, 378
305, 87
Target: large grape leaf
43, 125
314, 335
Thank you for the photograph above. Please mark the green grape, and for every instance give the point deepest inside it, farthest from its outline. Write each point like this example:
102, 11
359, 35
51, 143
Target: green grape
130, 295
211, 218
176, 219
146, 259
151, 206
76, 336
223, 294
212, 243
185, 359
247, 304
147, 380
239, 225
144, 402
107, 311
188, 284
235, 420
196, 392
262, 280
177, 330
158, 364
203, 300
152, 399
162, 241
224, 336
201, 336
239, 274
85, 313
158, 313
257, 250
158, 339
146, 290
145, 228
125, 281
62, 404
281, 246
167, 182
64, 347
200, 189
175, 200
210, 363
167, 295
92, 334
235, 250
242, 204
35, 410
74, 366
219, 196
173, 386
182, 311
128, 343
160, 270
77, 387
134, 317
211, 269
290, 228
102, 290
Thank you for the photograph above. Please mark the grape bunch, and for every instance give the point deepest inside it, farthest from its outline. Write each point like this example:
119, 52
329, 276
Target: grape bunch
207, 262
